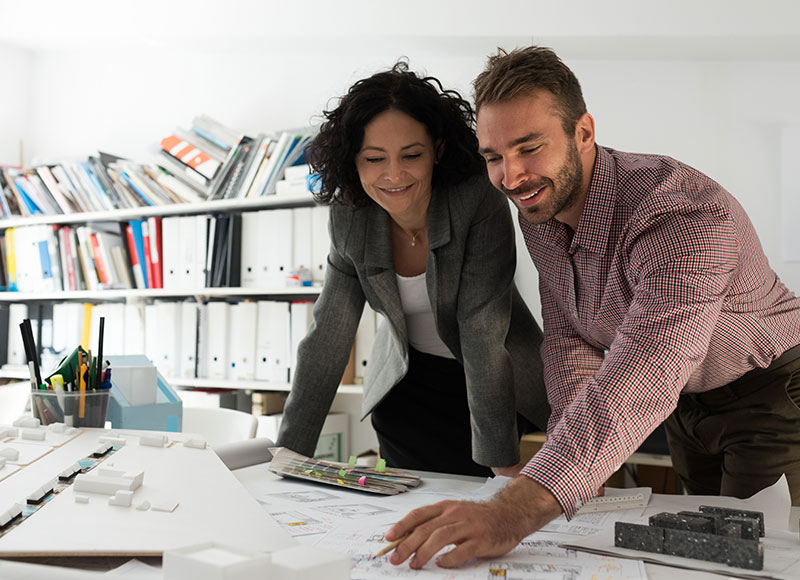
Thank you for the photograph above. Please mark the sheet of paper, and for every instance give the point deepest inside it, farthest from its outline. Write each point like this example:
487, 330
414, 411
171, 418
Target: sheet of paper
591, 523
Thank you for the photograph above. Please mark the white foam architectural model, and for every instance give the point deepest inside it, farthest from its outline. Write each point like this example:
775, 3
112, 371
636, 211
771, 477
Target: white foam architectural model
123, 497
195, 443
33, 434
10, 513
80, 498
70, 471
8, 432
27, 422
153, 440
143, 506
107, 481
38, 495
113, 441
102, 449
57, 427
214, 561
164, 505
10, 453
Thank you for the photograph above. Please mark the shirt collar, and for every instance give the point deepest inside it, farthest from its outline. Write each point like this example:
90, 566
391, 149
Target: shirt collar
596, 219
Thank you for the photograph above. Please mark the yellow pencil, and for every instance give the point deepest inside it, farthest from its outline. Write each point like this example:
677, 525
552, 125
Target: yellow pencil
390, 547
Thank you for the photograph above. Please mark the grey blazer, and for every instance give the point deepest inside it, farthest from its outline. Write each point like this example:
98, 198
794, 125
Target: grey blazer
479, 314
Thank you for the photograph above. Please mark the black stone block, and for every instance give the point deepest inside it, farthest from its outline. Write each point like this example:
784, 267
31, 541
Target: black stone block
737, 552
638, 537
718, 521
749, 527
682, 522
726, 512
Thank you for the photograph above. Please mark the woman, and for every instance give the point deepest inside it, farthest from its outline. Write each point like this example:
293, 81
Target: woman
418, 231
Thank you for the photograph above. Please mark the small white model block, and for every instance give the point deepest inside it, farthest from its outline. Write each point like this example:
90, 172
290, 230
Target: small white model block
310, 563
214, 561
27, 422
80, 498
70, 471
123, 497
113, 441
8, 432
10, 453
143, 506
108, 484
33, 435
10, 513
153, 440
71, 430
102, 449
195, 443
57, 427
164, 505
39, 494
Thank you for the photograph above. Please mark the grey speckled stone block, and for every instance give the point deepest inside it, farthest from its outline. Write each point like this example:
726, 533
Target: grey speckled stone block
639, 537
682, 522
731, 513
737, 552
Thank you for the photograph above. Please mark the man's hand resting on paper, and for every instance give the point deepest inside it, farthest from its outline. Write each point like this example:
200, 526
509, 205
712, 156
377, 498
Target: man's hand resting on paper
478, 530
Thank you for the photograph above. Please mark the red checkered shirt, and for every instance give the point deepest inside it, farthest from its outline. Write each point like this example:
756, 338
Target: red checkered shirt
664, 288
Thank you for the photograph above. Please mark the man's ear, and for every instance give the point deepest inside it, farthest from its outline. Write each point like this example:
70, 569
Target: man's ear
584, 133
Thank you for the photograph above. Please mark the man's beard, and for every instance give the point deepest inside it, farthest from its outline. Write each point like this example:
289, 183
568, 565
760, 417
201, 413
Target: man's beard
562, 196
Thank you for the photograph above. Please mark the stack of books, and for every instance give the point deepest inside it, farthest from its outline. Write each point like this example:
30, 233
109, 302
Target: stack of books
220, 163
287, 463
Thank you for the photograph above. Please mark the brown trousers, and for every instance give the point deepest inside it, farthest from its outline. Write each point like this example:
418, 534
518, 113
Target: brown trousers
738, 439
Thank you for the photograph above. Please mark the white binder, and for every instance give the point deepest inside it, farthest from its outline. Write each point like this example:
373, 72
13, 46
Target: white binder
169, 321
301, 235
272, 341
243, 322
252, 248
151, 331
217, 339
17, 312
171, 252
278, 226
134, 329
188, 340
67, 326
114, 329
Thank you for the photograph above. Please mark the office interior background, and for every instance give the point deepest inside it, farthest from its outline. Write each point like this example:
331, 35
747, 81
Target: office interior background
713, 83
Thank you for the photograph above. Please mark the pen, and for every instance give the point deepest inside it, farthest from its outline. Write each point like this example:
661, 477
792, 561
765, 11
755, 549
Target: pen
390, 547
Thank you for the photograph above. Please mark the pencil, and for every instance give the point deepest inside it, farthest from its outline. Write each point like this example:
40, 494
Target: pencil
386, 549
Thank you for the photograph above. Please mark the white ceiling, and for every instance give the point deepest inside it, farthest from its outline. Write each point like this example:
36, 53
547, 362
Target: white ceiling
680, 29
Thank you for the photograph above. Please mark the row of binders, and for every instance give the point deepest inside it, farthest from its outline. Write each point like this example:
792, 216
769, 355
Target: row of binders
262, 249
209, 161
214, 340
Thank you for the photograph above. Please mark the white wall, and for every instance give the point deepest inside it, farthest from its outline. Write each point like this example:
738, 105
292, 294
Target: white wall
14, 102
711, 83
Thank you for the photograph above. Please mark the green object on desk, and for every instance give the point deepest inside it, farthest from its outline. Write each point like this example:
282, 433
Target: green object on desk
69, 365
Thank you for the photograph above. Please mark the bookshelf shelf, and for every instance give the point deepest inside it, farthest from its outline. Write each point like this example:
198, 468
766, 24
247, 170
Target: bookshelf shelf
217, 206
298, 292
246, 385
20, 373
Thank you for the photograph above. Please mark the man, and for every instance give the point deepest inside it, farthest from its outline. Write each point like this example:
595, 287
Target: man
656, 294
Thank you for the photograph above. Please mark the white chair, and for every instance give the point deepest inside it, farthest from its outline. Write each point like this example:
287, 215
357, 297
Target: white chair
219, 426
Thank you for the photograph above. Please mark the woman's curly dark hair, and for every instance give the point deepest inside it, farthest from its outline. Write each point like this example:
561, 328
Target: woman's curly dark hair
446, 115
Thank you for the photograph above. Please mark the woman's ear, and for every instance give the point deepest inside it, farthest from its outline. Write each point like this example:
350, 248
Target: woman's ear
439, 150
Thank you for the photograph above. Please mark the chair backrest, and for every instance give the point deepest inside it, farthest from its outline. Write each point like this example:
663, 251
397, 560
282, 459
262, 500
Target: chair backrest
218, 426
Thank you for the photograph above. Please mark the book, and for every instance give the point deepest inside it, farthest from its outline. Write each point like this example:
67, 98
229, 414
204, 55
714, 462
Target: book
287, 463
191, 156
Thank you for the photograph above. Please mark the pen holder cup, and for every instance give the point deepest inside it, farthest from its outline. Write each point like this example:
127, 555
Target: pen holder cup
73, 409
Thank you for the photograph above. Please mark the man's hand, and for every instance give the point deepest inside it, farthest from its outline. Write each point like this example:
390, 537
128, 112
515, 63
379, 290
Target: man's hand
479, 530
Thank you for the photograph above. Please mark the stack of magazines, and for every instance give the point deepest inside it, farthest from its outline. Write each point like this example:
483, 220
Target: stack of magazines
287, 463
